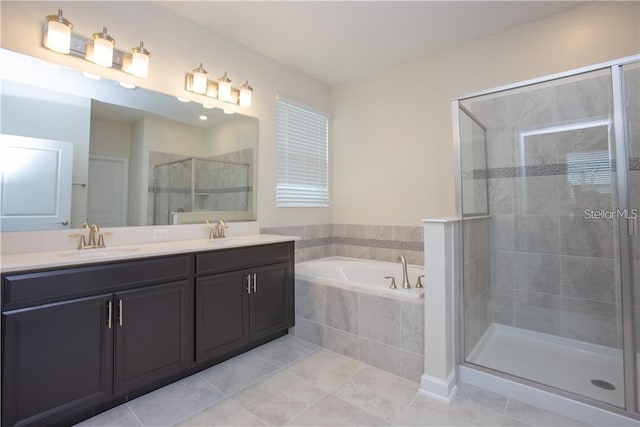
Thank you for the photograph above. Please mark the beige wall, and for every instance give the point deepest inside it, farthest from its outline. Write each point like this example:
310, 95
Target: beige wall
110, 138
392, 151
177, 46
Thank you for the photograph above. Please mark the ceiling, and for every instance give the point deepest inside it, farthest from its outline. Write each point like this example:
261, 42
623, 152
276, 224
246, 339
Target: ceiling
337, 41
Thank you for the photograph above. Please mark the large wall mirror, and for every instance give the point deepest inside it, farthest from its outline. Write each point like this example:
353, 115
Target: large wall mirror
77, 149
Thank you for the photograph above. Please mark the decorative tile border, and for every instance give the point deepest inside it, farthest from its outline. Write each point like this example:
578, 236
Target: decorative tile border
549, 170
171, 190
378, 243
387, 242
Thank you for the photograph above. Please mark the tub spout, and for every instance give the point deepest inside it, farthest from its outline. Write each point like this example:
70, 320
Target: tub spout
405, 275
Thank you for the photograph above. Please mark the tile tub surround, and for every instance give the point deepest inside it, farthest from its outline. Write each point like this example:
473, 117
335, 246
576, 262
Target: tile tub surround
374, 242
383, 332
315, 387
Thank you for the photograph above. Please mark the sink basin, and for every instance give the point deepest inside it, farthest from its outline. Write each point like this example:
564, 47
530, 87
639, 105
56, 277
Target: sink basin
98, 253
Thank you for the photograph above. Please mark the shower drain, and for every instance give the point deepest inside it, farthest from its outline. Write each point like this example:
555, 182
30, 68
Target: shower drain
603, 384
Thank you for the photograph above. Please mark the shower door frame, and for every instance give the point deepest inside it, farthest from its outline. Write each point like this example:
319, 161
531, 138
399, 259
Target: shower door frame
631, 388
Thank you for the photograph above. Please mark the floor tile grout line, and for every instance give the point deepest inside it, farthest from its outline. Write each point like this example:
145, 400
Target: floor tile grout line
133, 413
250, 411
308, 406
211, 385
223, 397
361, 407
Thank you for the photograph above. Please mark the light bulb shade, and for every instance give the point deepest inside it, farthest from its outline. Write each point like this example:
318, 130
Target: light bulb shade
103, 48
139, 61
246, 93
57, 33
199, 83
224, 88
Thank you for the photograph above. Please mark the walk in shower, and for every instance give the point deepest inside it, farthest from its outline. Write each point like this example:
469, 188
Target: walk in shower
195, 184
550, 191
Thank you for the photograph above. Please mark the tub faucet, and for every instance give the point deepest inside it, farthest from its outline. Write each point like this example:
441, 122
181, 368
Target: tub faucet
405, 275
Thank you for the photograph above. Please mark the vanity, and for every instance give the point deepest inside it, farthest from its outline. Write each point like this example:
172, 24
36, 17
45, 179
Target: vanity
80, 336
86, 330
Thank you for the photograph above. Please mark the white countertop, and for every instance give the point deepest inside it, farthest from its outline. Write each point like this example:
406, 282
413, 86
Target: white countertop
11, 263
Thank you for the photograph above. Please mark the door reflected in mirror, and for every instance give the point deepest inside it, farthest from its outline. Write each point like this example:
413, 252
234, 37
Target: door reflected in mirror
139, 157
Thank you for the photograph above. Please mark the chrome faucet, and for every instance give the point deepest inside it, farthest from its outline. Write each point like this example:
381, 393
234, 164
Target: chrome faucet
405, 275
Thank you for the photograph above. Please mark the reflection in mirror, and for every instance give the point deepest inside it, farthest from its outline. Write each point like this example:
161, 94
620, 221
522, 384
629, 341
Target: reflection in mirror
139, 157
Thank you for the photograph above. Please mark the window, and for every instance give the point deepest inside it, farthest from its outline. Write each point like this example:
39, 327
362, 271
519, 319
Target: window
303, 156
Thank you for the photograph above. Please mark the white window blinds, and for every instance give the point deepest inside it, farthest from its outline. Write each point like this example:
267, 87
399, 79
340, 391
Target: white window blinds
303, 157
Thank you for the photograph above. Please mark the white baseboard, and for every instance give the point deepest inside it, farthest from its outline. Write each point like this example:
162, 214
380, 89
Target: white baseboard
437, 388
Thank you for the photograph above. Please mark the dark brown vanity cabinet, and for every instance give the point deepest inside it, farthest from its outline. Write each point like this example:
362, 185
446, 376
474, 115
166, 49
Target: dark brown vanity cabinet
152, 334
66, 357
60, 358
76, 341
235, 308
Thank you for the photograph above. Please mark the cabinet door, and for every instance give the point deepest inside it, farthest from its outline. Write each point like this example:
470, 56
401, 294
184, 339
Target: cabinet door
153, 334
56, 357
222, 314
269, 300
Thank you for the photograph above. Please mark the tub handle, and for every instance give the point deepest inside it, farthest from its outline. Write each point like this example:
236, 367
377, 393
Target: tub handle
419, 284
393, 282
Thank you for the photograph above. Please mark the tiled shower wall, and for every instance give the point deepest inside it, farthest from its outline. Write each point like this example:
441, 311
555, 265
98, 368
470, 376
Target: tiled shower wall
223, 184
552, 269
477, 279
374, 242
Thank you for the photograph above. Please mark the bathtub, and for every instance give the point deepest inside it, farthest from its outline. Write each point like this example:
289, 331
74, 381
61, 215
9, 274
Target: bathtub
345, 305
362, 276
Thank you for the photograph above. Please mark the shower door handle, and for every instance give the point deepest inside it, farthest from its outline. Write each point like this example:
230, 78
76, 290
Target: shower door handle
632, 224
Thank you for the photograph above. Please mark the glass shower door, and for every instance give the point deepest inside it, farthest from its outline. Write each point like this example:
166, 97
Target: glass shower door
552, 311
631, 99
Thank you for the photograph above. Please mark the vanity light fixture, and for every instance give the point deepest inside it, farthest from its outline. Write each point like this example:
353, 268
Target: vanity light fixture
224, 88
57, 33
197, 82
137, 62
98, 49
246, 92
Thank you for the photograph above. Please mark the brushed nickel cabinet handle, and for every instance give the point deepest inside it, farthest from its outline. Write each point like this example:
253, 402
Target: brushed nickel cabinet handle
109, 313
255, 283
248, 283
120, 312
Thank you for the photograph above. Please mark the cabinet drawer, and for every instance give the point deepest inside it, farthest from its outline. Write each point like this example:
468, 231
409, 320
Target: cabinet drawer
240, 258
38, 288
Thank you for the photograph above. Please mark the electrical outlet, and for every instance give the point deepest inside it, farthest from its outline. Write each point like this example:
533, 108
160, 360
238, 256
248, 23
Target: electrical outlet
162, 234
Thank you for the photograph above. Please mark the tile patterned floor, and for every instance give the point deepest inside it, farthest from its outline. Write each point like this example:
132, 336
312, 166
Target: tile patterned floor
295, 383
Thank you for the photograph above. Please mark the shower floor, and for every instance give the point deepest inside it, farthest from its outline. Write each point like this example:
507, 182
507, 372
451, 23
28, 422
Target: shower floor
547, 359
